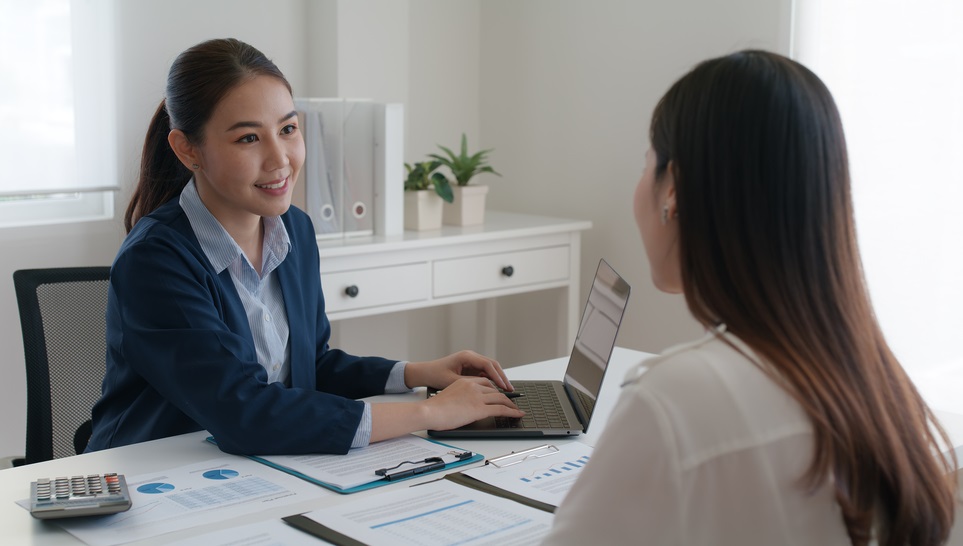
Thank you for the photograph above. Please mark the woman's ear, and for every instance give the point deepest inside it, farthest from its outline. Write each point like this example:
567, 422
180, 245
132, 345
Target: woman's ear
670, 210
186, 152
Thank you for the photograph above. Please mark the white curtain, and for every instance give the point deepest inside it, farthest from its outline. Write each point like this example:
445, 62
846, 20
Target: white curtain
896, 71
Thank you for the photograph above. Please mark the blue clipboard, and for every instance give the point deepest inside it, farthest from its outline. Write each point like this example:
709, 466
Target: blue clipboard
476, 457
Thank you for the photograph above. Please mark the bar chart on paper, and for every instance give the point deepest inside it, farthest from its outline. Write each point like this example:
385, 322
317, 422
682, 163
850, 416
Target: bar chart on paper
545, 478
567, 469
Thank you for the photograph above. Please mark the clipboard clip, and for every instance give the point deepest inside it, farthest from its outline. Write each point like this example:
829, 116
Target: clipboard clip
430, 464
516, 457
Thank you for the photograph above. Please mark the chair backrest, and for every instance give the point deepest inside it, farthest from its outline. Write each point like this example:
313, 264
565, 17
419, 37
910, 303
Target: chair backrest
63, 320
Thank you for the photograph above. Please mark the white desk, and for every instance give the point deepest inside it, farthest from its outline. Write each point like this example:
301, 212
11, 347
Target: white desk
508, 254
18, 527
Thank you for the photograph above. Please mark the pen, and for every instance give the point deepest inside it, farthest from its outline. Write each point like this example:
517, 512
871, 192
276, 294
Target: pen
415, 471
513, 395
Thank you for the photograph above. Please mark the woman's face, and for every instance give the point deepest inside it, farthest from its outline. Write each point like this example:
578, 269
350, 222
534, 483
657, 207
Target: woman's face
251, 154
660, 239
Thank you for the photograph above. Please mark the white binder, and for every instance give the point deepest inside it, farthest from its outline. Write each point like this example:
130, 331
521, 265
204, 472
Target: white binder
351, 181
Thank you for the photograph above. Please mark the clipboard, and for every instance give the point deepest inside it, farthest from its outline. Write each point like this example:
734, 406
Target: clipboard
503, 461
339, 525
375, 482
517, 457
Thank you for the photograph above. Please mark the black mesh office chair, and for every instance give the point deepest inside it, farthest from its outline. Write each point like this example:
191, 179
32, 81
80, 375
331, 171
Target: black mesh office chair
62, 316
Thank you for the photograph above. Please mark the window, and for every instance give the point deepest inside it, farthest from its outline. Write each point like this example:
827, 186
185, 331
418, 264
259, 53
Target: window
58, 143
893, 68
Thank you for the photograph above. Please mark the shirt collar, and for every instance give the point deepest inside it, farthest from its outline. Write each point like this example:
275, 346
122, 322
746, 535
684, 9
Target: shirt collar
218, 245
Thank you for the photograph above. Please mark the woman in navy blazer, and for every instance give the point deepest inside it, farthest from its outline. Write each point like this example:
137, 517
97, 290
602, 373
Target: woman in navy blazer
216, 261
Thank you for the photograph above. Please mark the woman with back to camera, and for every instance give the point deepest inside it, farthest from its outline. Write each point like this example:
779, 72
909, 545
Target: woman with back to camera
790, 421
215, 317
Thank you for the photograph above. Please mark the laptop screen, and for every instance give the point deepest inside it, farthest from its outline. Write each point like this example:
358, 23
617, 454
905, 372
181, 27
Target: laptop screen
595, 340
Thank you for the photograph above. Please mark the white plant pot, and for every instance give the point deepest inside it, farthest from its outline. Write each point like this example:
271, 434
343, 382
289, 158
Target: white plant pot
468, 208
423, 210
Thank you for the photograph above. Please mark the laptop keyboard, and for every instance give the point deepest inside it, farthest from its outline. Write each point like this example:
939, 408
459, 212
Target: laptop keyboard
586, 401
541, 406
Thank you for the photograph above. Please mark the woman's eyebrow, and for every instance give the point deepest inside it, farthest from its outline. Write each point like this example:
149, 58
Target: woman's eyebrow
257, 124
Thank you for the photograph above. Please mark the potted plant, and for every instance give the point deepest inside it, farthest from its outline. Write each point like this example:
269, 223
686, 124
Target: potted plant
468, 207
423, 207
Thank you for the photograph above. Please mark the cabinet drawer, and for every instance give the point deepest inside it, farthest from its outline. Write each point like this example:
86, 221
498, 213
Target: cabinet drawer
495, 271
375, 287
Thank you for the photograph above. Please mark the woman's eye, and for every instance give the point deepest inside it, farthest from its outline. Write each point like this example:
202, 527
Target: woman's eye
289, 129
247, 139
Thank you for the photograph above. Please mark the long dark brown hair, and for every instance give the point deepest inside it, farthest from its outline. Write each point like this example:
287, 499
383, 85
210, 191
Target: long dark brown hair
198, 79
768, 246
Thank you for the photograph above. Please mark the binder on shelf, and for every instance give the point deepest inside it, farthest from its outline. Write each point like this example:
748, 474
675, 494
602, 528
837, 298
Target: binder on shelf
351, 180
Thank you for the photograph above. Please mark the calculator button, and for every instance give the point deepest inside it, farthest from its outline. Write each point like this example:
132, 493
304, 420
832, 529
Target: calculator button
78, 496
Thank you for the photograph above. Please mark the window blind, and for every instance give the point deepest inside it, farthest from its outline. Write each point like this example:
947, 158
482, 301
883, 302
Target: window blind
57, 99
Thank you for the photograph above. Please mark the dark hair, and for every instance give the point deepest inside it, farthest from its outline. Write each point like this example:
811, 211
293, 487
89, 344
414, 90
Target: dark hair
199, 78
768, 246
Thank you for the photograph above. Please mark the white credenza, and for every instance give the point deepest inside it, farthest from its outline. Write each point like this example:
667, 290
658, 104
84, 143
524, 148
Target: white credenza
508, 254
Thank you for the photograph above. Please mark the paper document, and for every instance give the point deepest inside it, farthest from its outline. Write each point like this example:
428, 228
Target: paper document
188, 496
436, 513
358, 467
544, 475
265, 533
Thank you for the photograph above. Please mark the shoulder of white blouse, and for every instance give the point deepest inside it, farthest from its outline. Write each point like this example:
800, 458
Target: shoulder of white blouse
672, 353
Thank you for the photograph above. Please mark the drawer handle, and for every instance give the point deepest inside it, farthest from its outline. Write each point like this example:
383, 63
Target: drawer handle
508, 271
351, 291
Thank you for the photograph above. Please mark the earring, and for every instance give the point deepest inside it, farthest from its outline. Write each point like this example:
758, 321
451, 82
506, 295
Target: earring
665, 214
195, 166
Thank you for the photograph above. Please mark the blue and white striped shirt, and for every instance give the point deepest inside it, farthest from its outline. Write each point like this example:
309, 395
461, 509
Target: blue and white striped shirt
260, 294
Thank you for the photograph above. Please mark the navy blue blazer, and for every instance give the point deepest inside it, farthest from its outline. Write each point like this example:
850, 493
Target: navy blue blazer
181, 356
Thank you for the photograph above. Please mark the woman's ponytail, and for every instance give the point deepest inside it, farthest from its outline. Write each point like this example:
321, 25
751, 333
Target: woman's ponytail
162, 175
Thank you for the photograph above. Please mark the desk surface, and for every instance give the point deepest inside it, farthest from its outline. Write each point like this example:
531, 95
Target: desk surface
20, 528
498, 225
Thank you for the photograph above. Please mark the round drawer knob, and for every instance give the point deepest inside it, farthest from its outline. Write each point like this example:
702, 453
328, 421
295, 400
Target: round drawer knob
351, 291
508, 271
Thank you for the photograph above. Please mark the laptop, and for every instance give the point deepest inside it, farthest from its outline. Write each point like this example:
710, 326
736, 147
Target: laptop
564, 408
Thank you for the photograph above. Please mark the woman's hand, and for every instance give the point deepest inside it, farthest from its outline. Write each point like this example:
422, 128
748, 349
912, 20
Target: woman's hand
467, 400
468, 386
447, 370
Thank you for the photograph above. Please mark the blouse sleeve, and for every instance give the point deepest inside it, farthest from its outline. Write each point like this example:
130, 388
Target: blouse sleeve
629, 492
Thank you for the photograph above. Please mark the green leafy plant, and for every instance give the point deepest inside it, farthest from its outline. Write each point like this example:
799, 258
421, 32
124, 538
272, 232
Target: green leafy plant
424, 175
463, 166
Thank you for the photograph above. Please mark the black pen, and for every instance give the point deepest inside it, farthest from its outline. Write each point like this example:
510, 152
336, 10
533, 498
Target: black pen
512, 395
415, 471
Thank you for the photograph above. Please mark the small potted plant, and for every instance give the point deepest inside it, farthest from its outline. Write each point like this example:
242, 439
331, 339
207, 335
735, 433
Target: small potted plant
423, 207
468, 207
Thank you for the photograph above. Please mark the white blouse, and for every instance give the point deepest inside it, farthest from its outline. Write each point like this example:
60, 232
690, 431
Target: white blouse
703, 447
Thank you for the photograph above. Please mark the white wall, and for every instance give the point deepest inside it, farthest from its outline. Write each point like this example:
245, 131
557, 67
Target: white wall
567, 88
561, 89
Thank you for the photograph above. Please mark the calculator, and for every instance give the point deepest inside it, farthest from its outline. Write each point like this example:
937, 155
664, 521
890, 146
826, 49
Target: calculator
91, 495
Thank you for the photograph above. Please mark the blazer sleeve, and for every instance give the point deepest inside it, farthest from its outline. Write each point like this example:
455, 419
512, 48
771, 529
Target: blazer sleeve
185, 333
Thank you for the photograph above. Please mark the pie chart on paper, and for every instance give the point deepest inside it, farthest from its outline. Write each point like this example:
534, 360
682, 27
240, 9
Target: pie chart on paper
220, 474
155, 488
